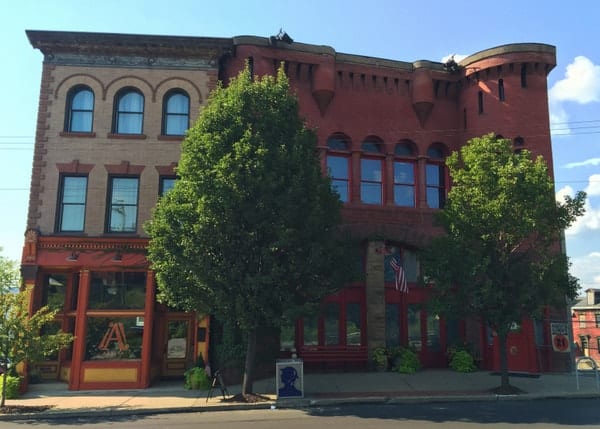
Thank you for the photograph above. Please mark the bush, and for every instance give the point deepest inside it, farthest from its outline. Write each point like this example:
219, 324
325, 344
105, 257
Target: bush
196, 378
462, 361
380, 358
13, 385
407, 361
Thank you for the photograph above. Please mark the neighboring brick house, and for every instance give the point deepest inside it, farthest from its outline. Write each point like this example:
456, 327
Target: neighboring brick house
113, 110
586, 325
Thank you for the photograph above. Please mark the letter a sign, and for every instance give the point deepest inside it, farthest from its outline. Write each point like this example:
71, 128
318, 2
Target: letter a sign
115, 332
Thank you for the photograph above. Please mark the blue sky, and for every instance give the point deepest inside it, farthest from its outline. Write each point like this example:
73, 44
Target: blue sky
393, 29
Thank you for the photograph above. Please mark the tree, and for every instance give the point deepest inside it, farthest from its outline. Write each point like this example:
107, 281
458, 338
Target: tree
499, 259
21, 337
9, 274
249, 231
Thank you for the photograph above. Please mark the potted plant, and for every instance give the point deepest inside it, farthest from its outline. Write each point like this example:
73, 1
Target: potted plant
407, 362
196, 378
380, 358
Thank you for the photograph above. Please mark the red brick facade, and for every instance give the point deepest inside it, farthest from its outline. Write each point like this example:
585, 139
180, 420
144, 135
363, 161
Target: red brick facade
383, 126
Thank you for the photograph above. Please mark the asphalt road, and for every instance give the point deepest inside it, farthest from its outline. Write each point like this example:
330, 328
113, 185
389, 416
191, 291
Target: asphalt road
583, 413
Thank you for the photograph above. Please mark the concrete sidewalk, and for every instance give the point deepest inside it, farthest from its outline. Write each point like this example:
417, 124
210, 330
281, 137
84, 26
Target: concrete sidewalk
319, 390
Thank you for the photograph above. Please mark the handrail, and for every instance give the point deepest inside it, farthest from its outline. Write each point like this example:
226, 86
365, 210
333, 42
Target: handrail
594, 366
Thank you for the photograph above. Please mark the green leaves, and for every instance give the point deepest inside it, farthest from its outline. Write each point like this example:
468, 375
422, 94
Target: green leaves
500, 259
248, 232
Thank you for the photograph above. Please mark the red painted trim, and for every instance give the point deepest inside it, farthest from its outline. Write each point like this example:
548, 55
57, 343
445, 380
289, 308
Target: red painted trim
80, 328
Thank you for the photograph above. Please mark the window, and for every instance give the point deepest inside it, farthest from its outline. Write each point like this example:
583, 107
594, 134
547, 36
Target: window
480, 102
338, 166
166, 184
117, 290
353, 318
129, 112
72, 199
584, 342
597, 316
501, 90
80, 110
123, 203
404, 177
523, 75
435, 178
371, 174
176, 113
331, 322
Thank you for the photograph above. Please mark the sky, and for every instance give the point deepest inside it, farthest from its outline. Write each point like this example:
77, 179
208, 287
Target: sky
392, 29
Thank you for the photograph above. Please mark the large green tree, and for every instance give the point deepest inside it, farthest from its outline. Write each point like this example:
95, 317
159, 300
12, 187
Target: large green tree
249, 231
21, 334
499, 259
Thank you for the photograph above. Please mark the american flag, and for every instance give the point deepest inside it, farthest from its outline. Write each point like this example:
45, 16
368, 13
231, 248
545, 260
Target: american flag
399, 274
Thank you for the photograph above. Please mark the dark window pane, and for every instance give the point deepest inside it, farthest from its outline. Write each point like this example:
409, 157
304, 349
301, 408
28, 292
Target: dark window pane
311, 335
414, 327
392, 325
353, 333
117, 290
54, 291
337, 167
332, 323
337, 143
433, 333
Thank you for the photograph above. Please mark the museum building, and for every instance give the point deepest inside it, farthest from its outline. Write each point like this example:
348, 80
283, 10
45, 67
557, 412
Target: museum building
113, 111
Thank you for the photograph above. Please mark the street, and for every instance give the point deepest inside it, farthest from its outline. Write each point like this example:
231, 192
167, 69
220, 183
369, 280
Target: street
494, 415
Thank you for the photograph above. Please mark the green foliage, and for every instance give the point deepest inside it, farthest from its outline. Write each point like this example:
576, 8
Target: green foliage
406, 361
196, 378
21, 335
380, 357
499, 258
13, 385
230, 347
250, 230
9, 274
462, 361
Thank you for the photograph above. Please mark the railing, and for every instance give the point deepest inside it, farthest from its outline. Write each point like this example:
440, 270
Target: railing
593, 367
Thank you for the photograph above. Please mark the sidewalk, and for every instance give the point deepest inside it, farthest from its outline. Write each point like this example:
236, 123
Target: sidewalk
319, 390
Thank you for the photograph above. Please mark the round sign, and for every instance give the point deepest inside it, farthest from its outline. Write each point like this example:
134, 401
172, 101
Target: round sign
560, 343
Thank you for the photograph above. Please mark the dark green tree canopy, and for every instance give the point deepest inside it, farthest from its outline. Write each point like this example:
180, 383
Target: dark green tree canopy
500, 257
248, 233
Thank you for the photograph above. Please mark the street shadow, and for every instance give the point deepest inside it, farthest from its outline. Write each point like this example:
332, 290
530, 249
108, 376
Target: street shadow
518, 412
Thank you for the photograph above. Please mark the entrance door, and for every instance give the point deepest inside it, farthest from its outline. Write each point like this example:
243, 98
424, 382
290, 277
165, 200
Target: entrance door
425, 336
178, 347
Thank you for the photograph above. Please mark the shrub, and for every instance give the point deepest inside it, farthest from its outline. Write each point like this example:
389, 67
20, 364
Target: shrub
407, 361
12, 386
380, 357
462, 361
196, 378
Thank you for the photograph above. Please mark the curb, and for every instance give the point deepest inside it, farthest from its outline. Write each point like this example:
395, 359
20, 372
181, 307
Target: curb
290, 404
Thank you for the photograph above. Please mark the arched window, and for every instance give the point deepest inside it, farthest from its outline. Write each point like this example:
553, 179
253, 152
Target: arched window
338, 165
80, 110
129, 112
176, 113
404, 174
435, 177
371, 173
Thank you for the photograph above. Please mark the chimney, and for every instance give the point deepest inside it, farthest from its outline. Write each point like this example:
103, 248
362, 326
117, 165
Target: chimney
593, 296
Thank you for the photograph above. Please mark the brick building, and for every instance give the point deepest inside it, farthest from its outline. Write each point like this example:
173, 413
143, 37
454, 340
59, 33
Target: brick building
113, 110
586, 325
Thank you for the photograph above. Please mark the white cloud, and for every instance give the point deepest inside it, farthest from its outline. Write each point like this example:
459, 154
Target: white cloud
593, 188
581, 83
587, 269
588, 162
590, 221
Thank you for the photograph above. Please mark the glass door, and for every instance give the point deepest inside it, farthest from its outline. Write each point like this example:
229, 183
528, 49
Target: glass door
178, 350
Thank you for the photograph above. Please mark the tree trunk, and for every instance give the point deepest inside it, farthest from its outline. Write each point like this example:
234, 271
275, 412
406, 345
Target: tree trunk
248, 379
4, 378
504, 383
